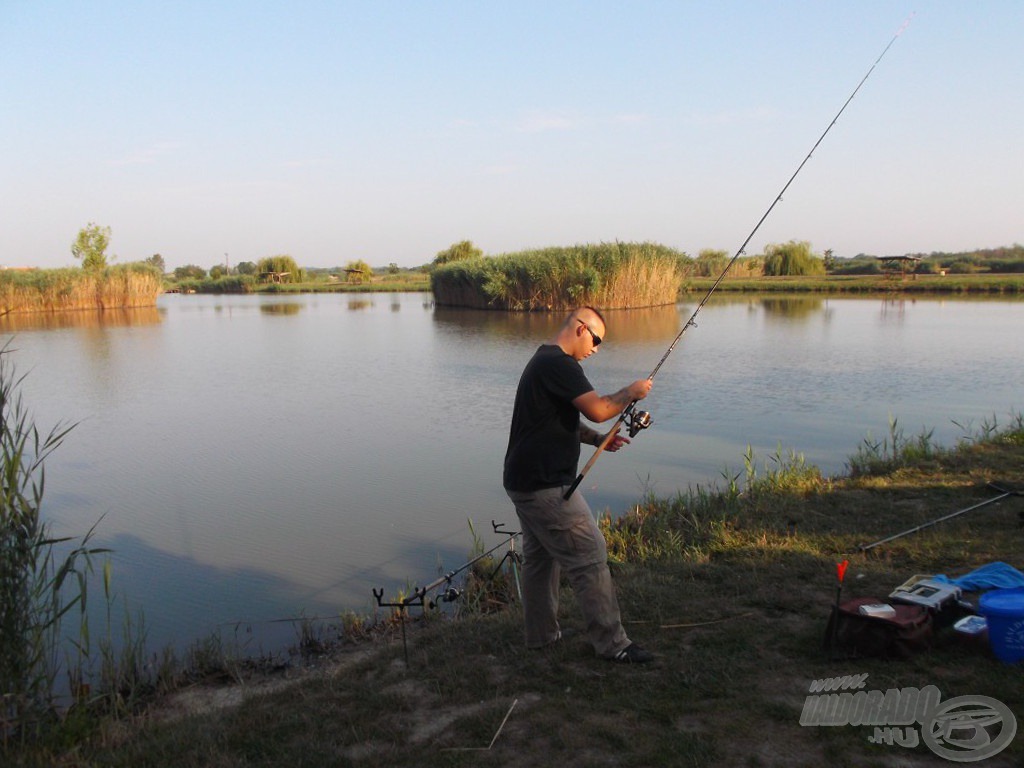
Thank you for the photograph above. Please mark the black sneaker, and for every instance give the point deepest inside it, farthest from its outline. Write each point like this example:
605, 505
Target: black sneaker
632, 654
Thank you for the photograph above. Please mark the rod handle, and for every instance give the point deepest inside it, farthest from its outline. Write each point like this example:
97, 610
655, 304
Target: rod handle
599, 450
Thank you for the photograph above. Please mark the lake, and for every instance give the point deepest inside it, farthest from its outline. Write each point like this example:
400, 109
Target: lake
252, 458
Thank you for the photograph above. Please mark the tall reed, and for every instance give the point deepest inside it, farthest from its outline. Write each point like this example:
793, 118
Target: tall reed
606, 275
38, 586
121, 286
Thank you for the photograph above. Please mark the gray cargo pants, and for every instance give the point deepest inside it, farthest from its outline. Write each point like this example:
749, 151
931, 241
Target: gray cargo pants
560, 535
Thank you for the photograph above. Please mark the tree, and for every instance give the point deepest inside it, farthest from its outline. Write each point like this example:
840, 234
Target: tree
91, 247
458, 252
279, 269
156, 260
246, 268
216, 271
359, 272
710, 262
189, 272
830, 260
792, 258
392, 268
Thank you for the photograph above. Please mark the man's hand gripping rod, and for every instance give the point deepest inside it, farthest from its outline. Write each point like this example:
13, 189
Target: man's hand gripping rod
627, 412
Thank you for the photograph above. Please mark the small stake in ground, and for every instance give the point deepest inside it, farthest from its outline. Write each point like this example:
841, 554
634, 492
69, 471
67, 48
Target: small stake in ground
496, 734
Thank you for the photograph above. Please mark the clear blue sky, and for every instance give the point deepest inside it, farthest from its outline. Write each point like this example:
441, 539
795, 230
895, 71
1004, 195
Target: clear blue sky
386, 131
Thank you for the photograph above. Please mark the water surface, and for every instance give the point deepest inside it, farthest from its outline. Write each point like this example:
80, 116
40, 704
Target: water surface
253, 457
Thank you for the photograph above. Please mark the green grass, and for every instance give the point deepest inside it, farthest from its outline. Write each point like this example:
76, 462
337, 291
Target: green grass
730, 586
1011, 284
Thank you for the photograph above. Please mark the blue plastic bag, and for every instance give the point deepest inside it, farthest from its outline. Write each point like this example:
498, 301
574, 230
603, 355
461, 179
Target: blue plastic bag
991, 576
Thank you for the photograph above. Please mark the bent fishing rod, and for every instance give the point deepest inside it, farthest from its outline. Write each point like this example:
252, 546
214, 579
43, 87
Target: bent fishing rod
639, 420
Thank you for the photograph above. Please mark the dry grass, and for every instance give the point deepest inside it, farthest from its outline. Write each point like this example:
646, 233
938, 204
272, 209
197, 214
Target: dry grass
120, 287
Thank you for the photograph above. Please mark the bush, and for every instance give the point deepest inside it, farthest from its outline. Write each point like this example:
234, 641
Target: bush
791, 259
225, 284
189, 272
962, 267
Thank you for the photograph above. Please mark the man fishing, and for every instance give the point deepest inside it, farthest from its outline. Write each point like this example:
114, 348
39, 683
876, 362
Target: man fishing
540, 464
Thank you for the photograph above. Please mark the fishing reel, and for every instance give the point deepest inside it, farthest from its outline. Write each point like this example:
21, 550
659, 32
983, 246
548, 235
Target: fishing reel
449, 595
638, 420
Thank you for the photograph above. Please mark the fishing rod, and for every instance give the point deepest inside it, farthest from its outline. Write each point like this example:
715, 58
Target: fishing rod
452, 593
636, 421
1004, 493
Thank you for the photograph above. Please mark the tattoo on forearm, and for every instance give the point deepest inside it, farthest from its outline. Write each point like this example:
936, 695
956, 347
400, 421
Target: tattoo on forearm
589, 436
620, 399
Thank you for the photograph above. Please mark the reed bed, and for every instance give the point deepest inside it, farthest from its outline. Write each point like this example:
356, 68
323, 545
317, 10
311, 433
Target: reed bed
49, 290
606, 275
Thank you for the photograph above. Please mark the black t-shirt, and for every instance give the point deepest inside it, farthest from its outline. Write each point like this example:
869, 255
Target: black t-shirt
544, 440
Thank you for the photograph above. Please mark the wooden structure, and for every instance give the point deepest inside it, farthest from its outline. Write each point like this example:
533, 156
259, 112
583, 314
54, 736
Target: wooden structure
274, 277
355, 275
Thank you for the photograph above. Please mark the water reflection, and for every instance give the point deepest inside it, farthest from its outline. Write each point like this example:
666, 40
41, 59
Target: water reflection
357, 304
288, 308
83, 318
791, 307
624, 325
893, 310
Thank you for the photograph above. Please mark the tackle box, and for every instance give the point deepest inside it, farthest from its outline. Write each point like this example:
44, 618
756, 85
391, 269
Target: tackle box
931, 593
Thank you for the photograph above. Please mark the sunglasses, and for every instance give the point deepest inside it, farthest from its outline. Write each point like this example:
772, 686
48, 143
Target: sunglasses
594, 336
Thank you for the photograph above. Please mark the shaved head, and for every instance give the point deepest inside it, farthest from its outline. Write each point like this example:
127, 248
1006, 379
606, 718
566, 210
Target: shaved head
587, 315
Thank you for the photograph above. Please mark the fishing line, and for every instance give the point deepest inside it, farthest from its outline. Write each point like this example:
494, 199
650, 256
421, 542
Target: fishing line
640, 420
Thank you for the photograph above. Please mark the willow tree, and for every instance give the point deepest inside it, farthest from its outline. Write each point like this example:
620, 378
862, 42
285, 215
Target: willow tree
279, 269
461, 251
792, 258
358, 272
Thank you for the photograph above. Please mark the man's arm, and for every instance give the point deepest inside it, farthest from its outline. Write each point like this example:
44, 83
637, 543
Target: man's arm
590, 436
598, 408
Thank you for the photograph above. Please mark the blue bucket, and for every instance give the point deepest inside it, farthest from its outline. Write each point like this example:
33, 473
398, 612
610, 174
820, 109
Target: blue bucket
1004, 611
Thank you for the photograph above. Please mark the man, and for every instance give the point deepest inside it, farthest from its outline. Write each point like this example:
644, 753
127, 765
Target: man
540, 465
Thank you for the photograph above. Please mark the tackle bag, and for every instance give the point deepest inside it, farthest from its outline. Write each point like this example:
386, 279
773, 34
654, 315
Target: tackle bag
851, 634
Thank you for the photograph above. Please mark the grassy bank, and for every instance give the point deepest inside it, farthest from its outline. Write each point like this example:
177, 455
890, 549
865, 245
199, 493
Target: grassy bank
47, 290
1006, 284
731, 587
405, 282
411, 283
532, 286
606, 275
